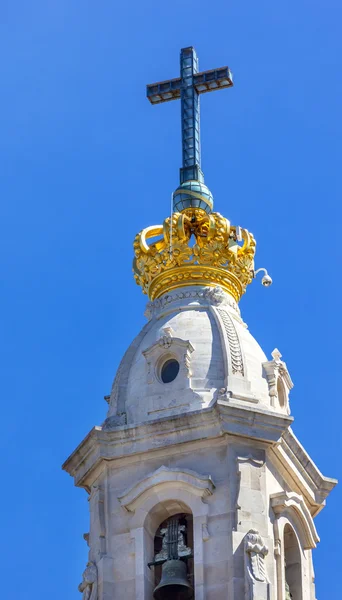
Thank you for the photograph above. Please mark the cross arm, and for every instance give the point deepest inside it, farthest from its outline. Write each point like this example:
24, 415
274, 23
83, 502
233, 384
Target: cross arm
209, 81
164, 91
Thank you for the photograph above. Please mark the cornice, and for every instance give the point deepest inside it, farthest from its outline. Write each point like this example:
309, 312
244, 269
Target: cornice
226, 417
298, 465
126, 443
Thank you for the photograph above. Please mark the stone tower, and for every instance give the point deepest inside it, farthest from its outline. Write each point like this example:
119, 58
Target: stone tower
196, 462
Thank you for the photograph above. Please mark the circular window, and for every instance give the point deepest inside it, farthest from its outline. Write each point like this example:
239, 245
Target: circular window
169, 370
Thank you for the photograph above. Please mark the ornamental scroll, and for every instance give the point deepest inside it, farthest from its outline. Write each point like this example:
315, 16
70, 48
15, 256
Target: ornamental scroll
256, 584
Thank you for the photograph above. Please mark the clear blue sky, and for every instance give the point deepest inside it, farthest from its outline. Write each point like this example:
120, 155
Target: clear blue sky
86, 162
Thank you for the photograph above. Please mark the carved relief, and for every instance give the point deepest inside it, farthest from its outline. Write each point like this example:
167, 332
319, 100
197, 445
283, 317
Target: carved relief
234, 343
88, 586
256, 584
214, 296
279, 381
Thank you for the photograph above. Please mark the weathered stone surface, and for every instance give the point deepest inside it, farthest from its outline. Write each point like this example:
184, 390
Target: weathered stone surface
217, 444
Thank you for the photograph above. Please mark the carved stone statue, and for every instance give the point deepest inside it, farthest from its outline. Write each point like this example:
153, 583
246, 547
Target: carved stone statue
89, 584
256, 583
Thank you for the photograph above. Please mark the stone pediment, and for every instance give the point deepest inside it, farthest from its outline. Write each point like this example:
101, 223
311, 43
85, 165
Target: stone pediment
165, 478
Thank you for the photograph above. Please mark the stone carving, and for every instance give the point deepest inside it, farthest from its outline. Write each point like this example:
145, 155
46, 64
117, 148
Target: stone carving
175, 348
279, 381
88, 587
234, 342
256, 550
256, 584
214, 296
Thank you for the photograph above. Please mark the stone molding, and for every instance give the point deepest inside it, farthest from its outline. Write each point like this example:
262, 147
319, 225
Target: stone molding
213, 422
165, 478
121, 444
203, 296
172, 347
295, 461
286, 504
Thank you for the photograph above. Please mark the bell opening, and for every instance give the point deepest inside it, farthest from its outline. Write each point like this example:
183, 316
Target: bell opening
174, 568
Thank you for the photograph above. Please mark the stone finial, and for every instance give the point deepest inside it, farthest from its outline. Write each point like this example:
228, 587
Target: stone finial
168, 331
276, 355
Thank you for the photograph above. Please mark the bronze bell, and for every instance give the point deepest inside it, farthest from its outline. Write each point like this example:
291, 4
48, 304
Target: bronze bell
174, 583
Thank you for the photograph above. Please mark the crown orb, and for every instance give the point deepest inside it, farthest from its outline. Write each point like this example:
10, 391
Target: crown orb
193, 195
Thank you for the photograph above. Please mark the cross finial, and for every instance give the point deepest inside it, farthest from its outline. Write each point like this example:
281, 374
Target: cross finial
192, 191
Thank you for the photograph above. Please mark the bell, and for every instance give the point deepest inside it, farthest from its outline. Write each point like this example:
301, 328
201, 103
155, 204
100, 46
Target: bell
174, 583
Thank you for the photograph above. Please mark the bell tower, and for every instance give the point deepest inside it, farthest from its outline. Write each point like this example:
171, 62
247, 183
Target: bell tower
197, 486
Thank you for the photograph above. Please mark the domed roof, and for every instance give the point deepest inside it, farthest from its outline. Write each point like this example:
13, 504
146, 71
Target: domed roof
192, 194
194, 350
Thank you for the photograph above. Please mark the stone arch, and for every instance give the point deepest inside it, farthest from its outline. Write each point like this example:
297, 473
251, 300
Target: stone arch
161, 494
291, 506
292, 563
295, 535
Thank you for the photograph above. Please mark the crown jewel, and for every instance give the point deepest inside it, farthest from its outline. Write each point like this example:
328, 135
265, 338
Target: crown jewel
194, 248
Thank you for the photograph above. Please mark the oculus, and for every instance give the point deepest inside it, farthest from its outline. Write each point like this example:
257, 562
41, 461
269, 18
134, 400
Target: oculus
169, 370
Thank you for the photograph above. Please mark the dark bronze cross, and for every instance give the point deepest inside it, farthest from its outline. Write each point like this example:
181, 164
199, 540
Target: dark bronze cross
188, 87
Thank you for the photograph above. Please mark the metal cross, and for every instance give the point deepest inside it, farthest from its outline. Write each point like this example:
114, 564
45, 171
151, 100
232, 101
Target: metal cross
188, 87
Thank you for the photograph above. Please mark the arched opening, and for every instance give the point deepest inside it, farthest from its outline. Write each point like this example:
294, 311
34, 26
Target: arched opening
281, 393
174, 539
293, 569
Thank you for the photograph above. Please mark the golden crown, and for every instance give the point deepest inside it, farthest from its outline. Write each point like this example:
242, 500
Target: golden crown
194, 248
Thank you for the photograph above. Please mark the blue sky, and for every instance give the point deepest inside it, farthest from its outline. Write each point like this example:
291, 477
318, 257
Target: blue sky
86, 162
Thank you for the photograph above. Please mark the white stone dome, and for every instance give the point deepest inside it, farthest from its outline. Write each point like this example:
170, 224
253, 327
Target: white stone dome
201, 329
